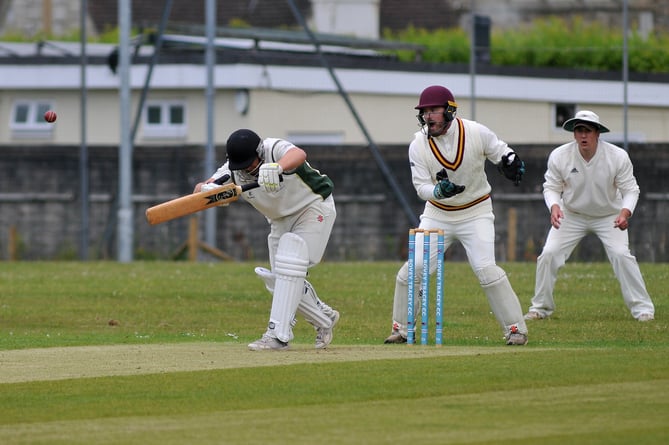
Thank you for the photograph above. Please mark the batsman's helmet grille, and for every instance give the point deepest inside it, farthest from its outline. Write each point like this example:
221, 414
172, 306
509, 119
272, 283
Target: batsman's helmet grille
242, 148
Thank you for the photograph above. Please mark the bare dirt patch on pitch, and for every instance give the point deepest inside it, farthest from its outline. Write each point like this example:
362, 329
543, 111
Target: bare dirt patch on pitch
27, 365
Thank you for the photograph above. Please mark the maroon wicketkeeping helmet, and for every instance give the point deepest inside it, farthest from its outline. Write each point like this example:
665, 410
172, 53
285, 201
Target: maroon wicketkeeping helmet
438, 96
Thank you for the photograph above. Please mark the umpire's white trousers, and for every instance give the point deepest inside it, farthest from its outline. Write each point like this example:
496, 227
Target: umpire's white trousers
561, 242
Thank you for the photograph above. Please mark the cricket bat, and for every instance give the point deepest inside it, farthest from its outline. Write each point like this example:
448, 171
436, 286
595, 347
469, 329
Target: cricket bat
195, 202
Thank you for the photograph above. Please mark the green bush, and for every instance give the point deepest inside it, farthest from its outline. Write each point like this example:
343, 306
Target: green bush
441, 45
550, 42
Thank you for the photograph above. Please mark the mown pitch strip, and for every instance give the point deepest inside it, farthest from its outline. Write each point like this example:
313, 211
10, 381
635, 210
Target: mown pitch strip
27, 365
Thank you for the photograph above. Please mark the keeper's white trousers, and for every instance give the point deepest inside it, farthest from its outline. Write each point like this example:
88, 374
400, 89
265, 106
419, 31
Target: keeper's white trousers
477, 236
561, 242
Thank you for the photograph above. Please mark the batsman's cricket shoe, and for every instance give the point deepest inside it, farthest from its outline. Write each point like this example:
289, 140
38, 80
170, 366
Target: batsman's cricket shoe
515, 337
324, 335
267, 343
646, 317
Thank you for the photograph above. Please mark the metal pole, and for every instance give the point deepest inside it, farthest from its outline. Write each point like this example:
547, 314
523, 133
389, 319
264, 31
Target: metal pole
388, 175
625, 75
83, 148
472, 62
210, 152
125, 214
154, 60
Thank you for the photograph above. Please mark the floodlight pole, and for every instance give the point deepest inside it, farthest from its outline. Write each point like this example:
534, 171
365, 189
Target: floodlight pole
210, 152
388, 175
83, 148
125, 214
625, 75
472, 62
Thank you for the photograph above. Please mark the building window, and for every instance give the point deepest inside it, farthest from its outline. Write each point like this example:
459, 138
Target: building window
27, 118
563, 112
165, 119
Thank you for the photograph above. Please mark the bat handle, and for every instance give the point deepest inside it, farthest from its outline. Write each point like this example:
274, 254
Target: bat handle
245, 187
251, 186
222, 179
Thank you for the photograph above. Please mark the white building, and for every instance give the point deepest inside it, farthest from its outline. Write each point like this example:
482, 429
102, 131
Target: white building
282, 90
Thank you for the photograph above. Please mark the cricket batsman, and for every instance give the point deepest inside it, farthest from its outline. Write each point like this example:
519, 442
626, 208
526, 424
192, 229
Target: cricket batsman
297, 201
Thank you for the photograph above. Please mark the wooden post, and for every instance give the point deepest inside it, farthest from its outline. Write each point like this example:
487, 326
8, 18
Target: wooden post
47, 18
12, 249
193, 243
511, 223
193, 240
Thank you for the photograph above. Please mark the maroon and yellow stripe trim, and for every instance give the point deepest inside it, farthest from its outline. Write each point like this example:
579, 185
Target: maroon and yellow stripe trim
460, 207
459, 155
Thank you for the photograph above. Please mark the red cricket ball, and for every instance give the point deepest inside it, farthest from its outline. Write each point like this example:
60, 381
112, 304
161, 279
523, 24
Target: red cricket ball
50, 116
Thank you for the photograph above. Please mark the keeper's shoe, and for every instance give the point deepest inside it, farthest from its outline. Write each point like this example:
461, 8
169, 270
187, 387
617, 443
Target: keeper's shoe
395, 337
515, 338
324, 335
646, 317
534, 315
267, 343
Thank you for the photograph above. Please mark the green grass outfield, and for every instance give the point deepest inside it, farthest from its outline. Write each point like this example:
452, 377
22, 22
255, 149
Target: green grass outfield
172, 367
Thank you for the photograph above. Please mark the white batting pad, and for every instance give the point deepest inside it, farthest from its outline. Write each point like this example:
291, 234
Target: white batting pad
267, 276
502, 299
313, 309
290, 267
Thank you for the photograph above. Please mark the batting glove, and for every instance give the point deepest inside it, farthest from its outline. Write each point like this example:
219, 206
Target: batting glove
269, 177
512, 167
209, 187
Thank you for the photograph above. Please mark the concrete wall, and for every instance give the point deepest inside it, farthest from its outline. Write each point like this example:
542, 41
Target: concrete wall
39, 198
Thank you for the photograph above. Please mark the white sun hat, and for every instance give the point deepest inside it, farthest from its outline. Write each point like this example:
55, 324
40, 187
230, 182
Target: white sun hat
585, 117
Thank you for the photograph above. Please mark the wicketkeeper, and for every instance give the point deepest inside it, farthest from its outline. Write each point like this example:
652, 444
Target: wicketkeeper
297, 201
447, 159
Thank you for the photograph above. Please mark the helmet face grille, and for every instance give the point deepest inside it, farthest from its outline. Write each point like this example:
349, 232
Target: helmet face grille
242, 149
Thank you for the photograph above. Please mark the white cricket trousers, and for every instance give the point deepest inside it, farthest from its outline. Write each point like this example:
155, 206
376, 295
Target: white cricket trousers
561, 242
477, 236
313, 225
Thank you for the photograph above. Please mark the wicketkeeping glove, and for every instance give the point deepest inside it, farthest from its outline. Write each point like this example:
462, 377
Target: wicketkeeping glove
444, 187
512, 167
269, 177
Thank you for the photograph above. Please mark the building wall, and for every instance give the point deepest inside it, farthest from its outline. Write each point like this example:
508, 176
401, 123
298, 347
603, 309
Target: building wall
389, 118
40, 201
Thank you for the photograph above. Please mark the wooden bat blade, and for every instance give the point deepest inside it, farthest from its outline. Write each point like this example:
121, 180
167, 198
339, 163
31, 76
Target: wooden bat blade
196, 202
